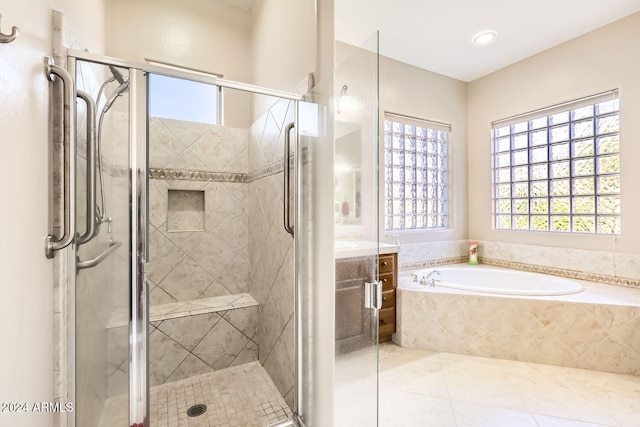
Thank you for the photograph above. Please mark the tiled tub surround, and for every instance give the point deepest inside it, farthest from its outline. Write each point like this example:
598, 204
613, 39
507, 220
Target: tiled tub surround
413, 256
602, 266
597, 266
597, 329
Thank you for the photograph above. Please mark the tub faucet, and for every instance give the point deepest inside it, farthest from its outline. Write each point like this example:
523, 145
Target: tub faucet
425, 279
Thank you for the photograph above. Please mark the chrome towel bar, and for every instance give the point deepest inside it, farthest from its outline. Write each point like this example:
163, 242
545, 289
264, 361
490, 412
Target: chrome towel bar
69, 141
113, 245
8, 38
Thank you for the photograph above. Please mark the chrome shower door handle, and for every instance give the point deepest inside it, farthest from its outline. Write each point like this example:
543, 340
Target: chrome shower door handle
90, 231
287, 174
52, 243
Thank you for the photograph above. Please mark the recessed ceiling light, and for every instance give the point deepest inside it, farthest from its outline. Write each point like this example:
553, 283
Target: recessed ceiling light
484, 37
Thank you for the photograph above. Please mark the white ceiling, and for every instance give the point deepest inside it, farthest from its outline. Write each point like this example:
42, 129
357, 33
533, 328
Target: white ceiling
436, 34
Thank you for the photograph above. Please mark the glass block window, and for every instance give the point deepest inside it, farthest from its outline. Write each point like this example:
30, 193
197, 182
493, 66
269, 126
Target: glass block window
415, 173
559, 170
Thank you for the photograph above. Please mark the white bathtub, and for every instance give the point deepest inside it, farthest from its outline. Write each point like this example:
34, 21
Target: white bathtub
493, 281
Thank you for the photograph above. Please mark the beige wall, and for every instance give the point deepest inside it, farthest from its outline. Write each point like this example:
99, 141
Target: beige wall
282, 39
268, 46
413, 91
604, 59
431, 96
200, 34
26, 306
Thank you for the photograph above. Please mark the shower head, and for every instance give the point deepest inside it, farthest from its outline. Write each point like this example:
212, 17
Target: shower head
117, 74
116, 93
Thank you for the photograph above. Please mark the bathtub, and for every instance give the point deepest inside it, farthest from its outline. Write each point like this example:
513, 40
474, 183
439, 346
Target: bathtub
493, 281
593, 329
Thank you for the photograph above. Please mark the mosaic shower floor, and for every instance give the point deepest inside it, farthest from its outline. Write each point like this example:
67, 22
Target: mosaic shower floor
240, 396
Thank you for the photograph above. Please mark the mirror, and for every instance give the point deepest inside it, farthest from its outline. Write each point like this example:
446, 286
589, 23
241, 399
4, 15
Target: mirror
348, 174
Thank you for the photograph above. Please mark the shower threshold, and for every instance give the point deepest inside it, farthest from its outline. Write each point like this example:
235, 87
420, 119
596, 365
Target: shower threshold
239, 396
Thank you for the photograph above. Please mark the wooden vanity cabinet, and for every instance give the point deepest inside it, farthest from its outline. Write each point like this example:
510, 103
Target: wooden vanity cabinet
355, 325
388, 274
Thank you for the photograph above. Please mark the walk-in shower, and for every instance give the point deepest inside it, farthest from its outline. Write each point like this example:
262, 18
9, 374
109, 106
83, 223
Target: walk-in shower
187, 303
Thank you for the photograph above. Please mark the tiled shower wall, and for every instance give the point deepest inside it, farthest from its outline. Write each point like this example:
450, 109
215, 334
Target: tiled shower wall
271, 247
243, 246
209, 258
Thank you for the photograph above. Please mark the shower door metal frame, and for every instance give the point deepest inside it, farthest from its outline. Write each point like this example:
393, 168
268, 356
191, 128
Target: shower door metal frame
139, 204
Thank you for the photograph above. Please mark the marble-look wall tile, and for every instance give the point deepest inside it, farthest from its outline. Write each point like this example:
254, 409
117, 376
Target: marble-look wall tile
188, 331
189, 264
412, 253
221, 346
270, 254
601, 262
581, 335
165, 355
627, 265
195, 344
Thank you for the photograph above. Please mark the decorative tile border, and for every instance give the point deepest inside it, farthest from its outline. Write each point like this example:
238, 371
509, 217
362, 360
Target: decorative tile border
571, 274
266, 171
432, 263
190, 175
194, 175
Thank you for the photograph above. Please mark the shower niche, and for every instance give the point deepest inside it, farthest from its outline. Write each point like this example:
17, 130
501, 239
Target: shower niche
185, 210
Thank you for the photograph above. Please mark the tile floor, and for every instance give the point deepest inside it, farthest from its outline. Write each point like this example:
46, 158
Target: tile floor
240, 396
426, 388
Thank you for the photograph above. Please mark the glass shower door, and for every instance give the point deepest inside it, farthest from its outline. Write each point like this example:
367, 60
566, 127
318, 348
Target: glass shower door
358, 294
105, 272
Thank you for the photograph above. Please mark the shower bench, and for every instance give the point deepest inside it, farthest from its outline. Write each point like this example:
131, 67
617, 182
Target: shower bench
190, 338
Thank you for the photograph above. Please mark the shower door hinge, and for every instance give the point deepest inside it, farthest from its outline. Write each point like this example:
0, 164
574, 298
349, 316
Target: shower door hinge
373, 295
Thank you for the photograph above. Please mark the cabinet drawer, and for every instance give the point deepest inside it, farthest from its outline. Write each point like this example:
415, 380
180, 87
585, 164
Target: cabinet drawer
389, 299
387, 319
388, 281
385, 264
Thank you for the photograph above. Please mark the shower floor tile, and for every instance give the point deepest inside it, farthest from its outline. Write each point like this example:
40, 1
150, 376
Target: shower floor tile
240, 396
